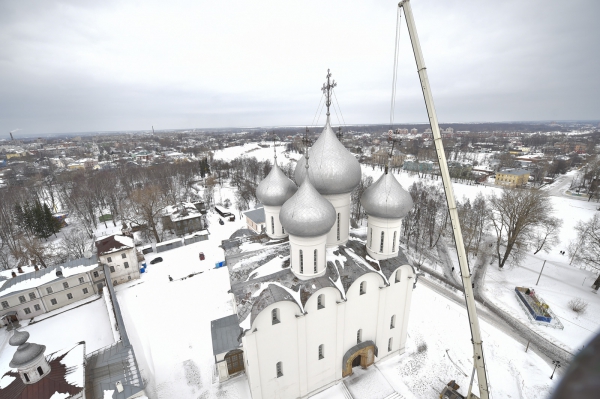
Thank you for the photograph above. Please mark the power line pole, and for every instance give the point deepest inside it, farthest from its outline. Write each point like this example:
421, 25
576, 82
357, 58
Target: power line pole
538, 280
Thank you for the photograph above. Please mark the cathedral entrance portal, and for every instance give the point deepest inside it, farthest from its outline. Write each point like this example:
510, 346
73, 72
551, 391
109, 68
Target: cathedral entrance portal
362, 355
235, 361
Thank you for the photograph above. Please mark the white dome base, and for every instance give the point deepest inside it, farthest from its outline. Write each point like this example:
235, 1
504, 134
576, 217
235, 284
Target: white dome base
338, 235
308, 256
386, 246
273, 226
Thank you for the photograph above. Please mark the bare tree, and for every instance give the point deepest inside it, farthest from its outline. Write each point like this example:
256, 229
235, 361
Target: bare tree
516, 214
144, 208
546, 236
75, 243
586, 248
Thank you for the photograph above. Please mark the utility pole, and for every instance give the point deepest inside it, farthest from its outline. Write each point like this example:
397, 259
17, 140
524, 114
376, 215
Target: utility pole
478, 360
538, 280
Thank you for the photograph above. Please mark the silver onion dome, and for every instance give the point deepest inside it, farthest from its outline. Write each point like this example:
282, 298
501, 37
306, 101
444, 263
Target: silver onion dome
307, 213
276, 188
26, 352
333, 169
386, 198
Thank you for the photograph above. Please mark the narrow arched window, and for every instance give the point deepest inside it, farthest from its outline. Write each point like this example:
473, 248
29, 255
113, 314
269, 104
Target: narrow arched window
40, 371
279, 368
381, 242
26, 377
398, 276
371, 238
275, 316
393, 322
338, 226
282, 230
301, 262
394, 243
321, 301
363, 288
321, 352
390, 344
272, 225
315, 261
359, 336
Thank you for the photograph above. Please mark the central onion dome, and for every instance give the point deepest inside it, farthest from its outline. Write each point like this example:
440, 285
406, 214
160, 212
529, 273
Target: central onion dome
276, 188
333, 169
26, 352
386, 198
307, 213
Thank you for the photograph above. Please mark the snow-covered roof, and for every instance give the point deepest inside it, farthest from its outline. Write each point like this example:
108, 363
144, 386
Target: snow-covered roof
114, 243
182, 211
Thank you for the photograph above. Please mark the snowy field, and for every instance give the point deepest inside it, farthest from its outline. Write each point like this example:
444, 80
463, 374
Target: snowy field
86, 320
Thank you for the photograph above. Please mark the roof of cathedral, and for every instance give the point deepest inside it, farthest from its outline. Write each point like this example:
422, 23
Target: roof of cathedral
255, 291
307, 213
276, 188
26, 351
333, 169
386, 198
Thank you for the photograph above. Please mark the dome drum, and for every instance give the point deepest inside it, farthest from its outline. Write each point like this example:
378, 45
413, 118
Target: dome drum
383, 237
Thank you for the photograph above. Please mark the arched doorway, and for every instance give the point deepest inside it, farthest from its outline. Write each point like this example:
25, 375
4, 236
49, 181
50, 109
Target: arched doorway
362, 355
235, 361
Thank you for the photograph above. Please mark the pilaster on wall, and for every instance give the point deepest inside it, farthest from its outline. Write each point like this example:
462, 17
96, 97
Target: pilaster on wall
302, 355
252, 370
339, 350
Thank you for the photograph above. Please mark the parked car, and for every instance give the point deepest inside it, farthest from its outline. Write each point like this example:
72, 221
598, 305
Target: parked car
156, 260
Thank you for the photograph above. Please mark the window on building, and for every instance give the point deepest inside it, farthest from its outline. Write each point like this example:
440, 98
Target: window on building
275, 316
321, 352
32, 295
321, 301
390, 344
112, 269
338, 226
85, 291
22, 299
272, 225
301, 262
123, 256
53, 301
4, 304
398, 275
315, 261
69, 296
394, 242
393, 322
49, 290
282, 230
26, 377
126, 264
37, 308
27, 310
40, 371
81, 280
65, 285
381, 242
363, 288
109, 259
359, 336
279, 368
371, 238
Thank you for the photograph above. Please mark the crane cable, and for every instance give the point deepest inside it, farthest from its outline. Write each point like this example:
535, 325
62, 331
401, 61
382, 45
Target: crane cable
395, 71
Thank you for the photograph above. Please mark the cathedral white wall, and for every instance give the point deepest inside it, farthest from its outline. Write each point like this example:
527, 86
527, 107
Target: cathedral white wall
274, 343
341, 203
31, 370
375, 226
308, 245
273, 225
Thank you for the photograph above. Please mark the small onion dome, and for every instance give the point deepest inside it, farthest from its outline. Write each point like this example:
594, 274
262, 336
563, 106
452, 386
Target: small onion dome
307, 214
26, 352
276, 188
386, 198
333, 169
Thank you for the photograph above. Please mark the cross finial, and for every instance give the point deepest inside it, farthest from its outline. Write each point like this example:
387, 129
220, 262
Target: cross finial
327, 89
339, 133
275, 147
306, 142
392, 140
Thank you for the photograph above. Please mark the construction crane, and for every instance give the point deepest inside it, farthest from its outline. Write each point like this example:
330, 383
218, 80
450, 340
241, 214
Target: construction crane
450, 391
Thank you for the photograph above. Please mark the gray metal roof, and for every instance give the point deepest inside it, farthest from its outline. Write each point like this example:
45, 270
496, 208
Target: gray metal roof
307, 213
242, 233
225, 333
333, 169
386, 198
276, 188
256, 215
515, 172
43, 271
105, 367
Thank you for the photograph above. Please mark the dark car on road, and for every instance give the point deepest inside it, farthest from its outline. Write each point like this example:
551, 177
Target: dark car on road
156, 260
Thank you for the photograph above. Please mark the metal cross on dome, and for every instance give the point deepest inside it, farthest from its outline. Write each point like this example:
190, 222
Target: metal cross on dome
275, 138
306, 142
327, 89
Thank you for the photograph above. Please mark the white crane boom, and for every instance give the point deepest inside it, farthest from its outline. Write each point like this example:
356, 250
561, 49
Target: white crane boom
479, 363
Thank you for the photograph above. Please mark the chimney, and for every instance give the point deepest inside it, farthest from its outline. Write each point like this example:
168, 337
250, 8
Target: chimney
14, 274
36, 267
20, 269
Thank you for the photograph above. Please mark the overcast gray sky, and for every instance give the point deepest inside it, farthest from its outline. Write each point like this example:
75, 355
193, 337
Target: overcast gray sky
75, 66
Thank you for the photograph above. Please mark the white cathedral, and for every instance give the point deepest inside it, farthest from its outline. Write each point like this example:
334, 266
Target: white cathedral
338, 300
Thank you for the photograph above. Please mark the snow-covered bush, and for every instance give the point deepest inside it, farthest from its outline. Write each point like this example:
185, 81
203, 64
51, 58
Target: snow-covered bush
578, 305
